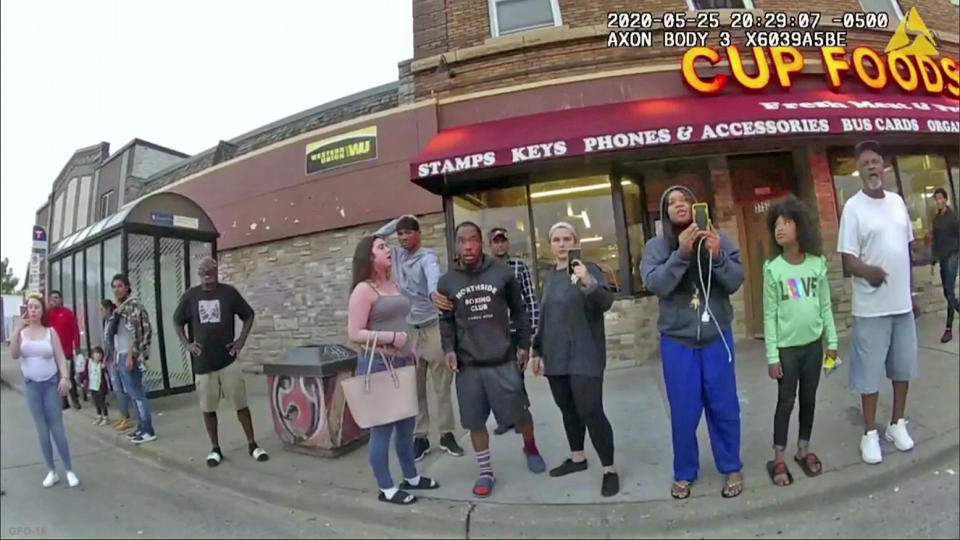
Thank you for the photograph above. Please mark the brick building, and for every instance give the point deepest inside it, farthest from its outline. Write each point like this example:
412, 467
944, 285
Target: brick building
474, 119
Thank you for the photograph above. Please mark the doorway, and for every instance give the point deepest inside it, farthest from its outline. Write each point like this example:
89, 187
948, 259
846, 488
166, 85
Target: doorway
758, 181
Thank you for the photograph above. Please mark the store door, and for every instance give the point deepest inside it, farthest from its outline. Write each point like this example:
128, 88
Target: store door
758, 181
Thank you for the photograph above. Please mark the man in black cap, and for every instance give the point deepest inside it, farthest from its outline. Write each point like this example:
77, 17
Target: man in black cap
416, 271
874, 241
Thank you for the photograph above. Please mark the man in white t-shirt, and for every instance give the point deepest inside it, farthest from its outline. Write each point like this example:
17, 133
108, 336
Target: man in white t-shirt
874, 240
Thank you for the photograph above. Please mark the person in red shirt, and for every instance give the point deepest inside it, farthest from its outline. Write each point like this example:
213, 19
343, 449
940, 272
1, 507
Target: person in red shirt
64, 322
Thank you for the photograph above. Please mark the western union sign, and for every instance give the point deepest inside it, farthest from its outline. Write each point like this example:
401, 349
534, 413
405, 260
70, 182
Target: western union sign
344, 149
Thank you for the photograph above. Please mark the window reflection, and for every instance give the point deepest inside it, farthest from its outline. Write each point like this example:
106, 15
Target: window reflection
920, 176
587, 204
505, 208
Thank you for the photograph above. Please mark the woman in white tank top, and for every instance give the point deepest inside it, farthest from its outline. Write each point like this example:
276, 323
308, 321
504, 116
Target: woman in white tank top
46, 380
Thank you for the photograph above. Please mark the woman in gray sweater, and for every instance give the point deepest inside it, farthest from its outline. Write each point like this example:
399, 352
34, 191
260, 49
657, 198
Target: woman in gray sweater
570, 349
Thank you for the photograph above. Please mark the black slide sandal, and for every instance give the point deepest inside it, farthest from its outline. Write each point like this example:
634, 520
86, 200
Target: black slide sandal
401, 498
425, 483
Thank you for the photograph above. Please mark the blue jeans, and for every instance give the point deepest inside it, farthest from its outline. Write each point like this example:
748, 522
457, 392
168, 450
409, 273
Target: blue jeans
698, 380
123, 401
401, 431
133, 384
43, 400
948, 275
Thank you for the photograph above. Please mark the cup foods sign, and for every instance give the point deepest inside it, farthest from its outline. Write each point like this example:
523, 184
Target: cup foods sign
344, 149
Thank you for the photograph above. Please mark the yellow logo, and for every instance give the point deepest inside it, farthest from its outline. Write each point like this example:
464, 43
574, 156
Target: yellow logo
922, 44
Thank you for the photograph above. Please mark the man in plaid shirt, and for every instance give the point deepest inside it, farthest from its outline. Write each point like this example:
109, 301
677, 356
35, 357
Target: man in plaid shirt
500, 249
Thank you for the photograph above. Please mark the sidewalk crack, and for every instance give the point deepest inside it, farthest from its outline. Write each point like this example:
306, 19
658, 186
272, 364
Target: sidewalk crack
467, 524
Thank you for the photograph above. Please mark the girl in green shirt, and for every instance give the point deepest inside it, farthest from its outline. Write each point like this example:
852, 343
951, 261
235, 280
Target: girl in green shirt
796, 317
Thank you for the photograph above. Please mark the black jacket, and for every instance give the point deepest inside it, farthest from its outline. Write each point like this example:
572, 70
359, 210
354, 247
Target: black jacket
946, 234
484, 303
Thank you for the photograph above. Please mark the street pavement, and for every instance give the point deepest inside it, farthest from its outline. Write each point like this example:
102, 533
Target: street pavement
849, 499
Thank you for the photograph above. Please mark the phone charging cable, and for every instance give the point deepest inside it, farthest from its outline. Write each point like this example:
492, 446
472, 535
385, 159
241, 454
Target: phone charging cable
707, 312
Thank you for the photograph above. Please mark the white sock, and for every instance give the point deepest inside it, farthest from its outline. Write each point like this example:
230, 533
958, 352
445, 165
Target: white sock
390, 492
415, 481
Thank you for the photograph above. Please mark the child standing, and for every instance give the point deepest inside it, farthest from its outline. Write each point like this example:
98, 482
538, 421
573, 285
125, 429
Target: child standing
96, 377
796, 317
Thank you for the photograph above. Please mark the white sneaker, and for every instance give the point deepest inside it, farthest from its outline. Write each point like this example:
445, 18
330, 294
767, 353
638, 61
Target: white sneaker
897, 434
870, 448
51, 479
72, 479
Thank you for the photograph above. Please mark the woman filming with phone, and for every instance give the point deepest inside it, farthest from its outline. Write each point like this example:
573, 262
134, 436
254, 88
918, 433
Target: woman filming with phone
570, 349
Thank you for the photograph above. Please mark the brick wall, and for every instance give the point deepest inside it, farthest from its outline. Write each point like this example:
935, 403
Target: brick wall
299, 286
460, 30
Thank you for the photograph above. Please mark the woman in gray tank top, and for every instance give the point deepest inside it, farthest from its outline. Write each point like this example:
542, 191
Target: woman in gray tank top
378, 311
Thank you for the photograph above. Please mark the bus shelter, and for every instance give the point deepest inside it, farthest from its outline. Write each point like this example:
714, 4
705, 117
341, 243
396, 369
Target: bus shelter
157, 241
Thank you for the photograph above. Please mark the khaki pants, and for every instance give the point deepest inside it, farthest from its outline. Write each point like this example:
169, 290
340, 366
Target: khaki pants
227, 382
427, 345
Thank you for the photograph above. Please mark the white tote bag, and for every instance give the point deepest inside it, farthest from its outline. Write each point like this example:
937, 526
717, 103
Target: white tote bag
384, 397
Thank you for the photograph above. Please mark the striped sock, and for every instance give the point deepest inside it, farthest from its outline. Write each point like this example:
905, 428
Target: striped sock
483, 461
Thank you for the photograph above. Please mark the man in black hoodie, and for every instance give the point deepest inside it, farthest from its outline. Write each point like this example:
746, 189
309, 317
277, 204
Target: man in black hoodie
475, 336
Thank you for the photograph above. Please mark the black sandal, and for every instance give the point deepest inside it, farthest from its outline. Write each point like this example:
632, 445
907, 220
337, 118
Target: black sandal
401, 498
776, 468
425, 483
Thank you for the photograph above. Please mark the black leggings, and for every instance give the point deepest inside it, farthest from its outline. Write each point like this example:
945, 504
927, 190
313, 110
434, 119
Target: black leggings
580, 399
800, 365
100, 400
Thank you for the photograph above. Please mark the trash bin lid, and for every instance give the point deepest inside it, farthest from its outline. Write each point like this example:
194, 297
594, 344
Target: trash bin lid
315, 360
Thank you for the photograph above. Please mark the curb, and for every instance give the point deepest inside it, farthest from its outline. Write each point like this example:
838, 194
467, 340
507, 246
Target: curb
451, 517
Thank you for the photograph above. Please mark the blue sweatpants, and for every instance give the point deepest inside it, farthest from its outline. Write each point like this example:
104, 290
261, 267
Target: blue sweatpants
698, 379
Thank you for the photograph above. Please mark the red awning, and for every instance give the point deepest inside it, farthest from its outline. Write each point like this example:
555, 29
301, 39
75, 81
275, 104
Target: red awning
642, 124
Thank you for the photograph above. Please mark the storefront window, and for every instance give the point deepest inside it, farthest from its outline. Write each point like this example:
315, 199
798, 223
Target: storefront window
846, 178
505, 208
920, 176
111, 264
587, 204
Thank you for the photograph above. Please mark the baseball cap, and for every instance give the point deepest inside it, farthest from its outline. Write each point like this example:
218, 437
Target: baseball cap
497, 231
863, 146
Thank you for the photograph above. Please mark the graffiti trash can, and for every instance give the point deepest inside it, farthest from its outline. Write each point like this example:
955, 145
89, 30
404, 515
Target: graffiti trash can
310, 414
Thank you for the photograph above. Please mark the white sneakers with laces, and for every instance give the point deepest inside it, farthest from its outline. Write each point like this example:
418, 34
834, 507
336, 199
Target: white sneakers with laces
51, 479
72, 479
897, 434
870, 448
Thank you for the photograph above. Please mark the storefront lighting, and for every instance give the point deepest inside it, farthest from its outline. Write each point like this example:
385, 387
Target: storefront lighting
577, 189
591, 239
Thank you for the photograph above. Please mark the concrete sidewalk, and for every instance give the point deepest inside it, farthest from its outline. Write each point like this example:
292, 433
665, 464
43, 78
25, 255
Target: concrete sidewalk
636, 404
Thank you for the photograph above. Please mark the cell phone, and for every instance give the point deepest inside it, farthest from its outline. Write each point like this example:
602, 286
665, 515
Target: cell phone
23, 311
701, 216
573, 255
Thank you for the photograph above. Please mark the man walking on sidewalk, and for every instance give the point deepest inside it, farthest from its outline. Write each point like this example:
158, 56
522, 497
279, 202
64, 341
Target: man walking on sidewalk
133, 337
874, 240
63, 320
210, 310
477, 346
416, 271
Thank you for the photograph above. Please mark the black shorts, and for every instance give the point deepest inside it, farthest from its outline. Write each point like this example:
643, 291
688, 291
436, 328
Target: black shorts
498, 388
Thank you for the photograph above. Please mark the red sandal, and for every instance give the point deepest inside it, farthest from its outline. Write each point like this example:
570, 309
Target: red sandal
776, 468
807, 462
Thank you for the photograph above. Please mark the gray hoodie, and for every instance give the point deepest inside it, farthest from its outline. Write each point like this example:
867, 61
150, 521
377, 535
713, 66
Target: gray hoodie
672, 276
